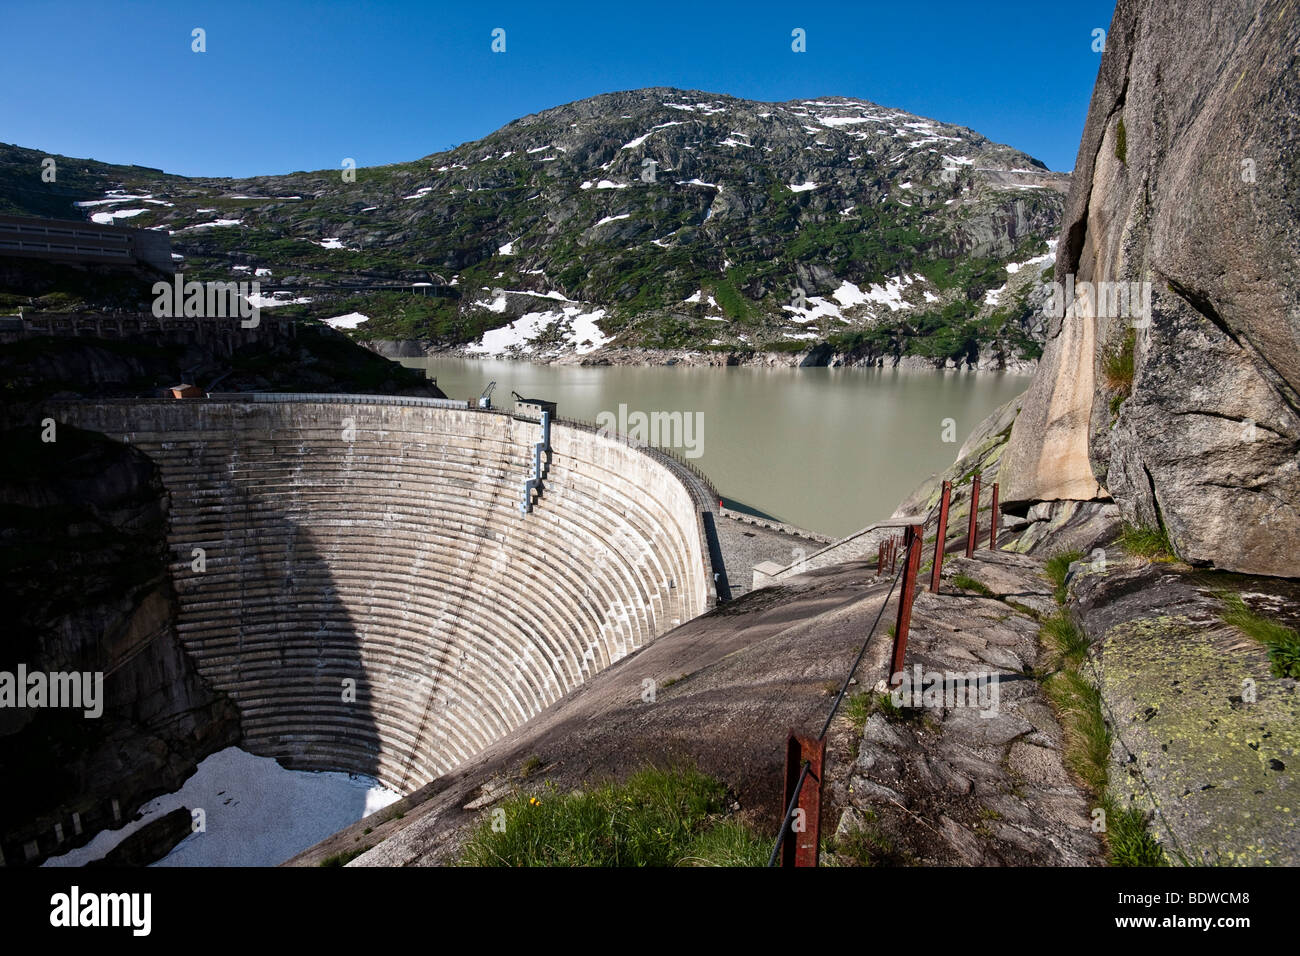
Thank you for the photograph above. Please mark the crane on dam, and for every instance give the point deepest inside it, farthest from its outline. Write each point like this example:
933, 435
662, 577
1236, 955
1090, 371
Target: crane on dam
485, 397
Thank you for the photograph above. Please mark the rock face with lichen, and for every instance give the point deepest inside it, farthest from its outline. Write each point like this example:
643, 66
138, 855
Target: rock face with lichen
1187, 179
1204, 738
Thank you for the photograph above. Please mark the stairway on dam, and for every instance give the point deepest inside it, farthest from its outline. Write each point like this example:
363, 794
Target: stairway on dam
368, 592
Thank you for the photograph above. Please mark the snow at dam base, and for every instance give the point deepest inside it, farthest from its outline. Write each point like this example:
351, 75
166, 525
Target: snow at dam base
257, 813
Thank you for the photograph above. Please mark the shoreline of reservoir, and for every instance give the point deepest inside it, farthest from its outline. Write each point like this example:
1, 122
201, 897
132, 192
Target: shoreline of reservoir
821, 356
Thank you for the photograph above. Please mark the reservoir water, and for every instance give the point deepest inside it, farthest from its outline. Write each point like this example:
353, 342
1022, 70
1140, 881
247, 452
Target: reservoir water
827, 449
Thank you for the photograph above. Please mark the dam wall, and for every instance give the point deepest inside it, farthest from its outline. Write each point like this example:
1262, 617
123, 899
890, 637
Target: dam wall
359, 578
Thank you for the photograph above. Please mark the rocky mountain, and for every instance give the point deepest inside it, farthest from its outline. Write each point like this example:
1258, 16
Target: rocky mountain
654, 218
1186, 180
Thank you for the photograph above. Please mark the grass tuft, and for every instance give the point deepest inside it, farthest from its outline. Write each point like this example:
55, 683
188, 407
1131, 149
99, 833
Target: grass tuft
967, 583
730, 843
1283, 642
1076, 701
1057, 567
1066, 643
1130, 840
858, 707
867, 845
655, 818
530, 766
1150, 543
1087, 738
344, 858
1117, 369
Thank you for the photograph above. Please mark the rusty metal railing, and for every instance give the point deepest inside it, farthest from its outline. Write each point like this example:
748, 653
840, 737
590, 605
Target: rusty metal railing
972, 526
802, 797
802, 801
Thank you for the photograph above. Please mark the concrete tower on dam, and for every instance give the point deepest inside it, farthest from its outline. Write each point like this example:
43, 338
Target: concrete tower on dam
359, 578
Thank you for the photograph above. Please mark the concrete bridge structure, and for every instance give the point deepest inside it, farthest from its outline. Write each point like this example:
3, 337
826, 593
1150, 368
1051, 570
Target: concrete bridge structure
358, 577
221, 336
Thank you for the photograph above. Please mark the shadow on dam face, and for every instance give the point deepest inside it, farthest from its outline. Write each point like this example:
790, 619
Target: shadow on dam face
266, 622
358, 578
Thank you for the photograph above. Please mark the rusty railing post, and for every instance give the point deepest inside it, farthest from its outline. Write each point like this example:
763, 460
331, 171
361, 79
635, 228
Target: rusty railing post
974, 515
993, 520
803, 834
880, 559
940, 535
915, 540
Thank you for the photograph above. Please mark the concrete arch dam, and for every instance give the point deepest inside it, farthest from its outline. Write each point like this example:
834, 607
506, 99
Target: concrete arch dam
381, 547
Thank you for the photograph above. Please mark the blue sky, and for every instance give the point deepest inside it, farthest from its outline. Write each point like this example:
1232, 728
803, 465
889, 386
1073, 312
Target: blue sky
287, 86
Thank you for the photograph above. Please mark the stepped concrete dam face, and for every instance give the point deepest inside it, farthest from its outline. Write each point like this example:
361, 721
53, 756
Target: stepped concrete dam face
361, 581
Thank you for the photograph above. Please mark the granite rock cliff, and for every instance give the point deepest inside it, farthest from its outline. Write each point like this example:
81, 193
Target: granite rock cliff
1187, 179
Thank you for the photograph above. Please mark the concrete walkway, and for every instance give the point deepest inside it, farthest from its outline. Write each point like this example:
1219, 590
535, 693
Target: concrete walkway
748, 543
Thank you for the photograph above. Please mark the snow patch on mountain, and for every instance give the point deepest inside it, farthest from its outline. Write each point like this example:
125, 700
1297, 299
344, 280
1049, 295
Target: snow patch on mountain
106, 218
844, 120
891, 293
114, 196
1046, 257
261, 301
633, 144
572, 327
211, 225
349, 321
699, 297
814, 309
